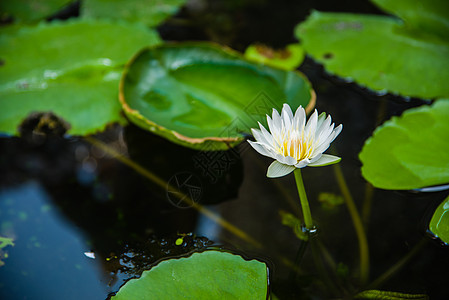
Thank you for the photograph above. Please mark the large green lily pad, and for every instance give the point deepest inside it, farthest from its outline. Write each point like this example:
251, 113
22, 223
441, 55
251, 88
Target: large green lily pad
70, 68
410, 151
379, 52
149, 12
439, 224
28, 11
430, 16
203, 95
206, 275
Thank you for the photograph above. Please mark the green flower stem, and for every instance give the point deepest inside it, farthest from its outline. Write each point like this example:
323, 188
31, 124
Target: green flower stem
303, 198
358, 225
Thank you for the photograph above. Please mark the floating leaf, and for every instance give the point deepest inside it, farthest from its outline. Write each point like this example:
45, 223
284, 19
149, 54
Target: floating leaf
288, 59
205, 275
149, 12
294, 223
431, 16
378, 52
387, 295
201, 95
410, 151
439, 224
329, 201
70, 68
4, 241
30, 10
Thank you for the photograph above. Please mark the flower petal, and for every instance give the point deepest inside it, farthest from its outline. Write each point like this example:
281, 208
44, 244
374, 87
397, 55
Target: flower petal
260, 148
276, 169
316, 157
311, 125
321, 119
274, 127
290, 160
324, 128
287, 116
299, 121
267, 135
325, 160
303, 163
260, 137
286, 160
323, 145
277, 121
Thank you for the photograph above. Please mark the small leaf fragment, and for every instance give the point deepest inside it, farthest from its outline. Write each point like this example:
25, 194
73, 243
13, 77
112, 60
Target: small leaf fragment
439, 224
288, 59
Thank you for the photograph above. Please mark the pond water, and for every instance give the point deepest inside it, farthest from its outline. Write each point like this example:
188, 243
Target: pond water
84, 220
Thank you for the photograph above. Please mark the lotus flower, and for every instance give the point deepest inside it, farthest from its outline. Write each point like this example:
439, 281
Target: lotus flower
293, 143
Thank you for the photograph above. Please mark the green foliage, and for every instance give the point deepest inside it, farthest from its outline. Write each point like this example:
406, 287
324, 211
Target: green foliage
204, 96
29, 11
70, 68
4, 241
294, 223
382, 53
330, 201
410, 151
430, 16
205, 275
149, 12
387, 295
288, 59
439, 224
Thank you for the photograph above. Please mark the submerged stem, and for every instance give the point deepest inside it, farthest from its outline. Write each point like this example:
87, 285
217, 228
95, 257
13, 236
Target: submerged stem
367, 203
397, 266
299, 255
358, 225
303, 198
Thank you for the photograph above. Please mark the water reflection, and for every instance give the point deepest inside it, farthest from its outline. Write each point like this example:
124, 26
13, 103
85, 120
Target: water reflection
47, 261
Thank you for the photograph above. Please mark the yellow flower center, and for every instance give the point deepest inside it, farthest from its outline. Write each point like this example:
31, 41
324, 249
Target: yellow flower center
295, 145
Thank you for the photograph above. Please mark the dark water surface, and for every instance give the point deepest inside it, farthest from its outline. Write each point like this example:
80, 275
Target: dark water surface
83, 222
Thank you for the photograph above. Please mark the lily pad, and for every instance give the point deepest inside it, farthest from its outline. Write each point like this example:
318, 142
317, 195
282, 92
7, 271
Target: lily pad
431, 16
410, 151
205, 275
378, 52
201, 95
439, 224
28, 11
149, 12
288, 59
70, 68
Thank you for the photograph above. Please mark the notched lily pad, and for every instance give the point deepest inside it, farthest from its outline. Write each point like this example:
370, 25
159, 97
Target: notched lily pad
204, 96
379, 52
429, 16
410, 151
205, 275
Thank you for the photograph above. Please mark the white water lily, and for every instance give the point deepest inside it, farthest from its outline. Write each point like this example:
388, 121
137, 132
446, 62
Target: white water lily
293, 143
